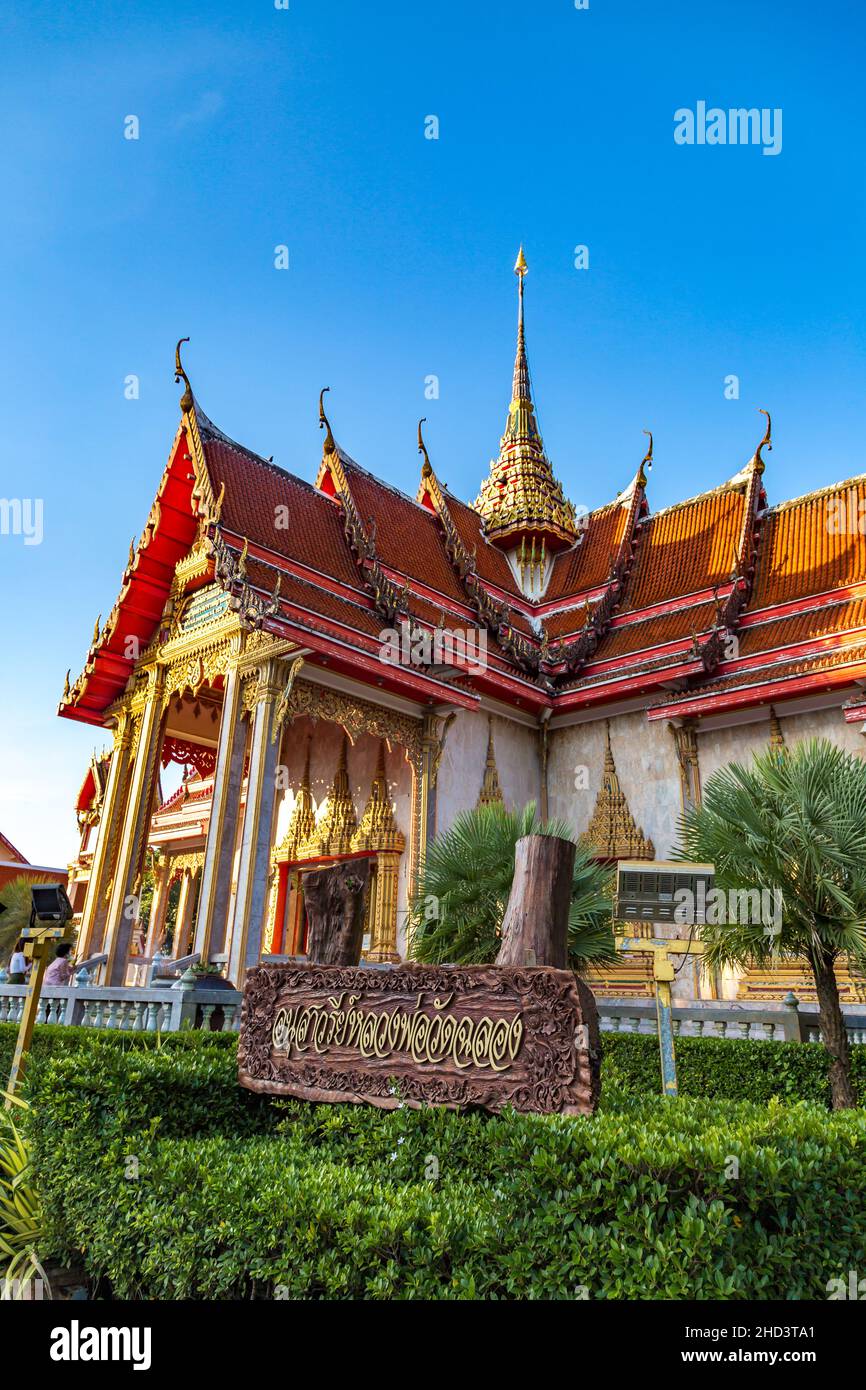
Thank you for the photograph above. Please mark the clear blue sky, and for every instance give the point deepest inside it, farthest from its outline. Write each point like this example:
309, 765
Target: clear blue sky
305, 126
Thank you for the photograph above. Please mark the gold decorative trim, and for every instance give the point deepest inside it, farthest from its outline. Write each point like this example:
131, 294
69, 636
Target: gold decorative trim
377, 829
612, 831
491, 792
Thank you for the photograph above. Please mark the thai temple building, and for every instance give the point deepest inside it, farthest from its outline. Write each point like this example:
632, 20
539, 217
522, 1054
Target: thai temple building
342, 668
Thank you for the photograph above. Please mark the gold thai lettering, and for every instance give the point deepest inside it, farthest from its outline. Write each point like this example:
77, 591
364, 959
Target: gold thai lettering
341, 1021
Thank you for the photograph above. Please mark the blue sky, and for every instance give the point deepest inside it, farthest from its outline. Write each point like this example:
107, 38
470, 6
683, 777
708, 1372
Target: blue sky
305, 127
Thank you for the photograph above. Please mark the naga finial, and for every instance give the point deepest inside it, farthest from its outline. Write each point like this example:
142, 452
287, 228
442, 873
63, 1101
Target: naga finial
131, 558
766, 442
646, 462
95, 638
66, 690
242, 558
426, 467
325, 424
180, 375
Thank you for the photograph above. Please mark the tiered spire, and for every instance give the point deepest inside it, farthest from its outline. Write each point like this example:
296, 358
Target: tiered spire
613, 831
521, 502
491, 792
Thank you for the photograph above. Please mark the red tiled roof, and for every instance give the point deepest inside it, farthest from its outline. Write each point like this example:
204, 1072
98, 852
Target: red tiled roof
256, 491
407, 535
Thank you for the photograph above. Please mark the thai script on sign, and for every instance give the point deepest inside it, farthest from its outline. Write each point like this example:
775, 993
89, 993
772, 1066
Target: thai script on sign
426, 1037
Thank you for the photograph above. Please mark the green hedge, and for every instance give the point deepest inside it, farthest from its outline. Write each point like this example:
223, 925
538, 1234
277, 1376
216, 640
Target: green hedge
642, 1201
727, 1069
708, 1068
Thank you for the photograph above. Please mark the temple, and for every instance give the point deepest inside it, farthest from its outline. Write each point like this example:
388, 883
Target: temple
341, 668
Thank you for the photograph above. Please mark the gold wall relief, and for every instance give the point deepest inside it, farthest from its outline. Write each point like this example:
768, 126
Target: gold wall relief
685, 738
491, 792
612, 832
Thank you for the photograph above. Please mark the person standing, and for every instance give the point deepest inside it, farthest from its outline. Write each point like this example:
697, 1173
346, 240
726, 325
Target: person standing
18, 965
59, 971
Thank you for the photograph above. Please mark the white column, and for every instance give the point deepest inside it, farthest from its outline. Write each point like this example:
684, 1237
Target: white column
257, 835
122, 909
216, 884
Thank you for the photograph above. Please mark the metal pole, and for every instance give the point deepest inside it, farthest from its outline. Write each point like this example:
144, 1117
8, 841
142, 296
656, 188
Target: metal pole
666, 1038
39, 957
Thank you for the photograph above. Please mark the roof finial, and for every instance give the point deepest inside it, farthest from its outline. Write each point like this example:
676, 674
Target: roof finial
646, 462
180, 375
325, 424
95, 638
766, 442
426, 468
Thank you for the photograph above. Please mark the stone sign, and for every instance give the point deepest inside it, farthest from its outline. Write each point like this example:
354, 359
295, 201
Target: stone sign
422, 1035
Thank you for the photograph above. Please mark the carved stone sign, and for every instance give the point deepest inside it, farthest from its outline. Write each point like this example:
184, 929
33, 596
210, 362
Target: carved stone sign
422, 1035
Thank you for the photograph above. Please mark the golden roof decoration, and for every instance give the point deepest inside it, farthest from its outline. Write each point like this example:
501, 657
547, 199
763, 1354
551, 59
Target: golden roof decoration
491, 792
613, 832
521, 495
378, 830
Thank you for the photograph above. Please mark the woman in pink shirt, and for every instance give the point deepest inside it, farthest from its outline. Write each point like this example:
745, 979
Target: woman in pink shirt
59, 971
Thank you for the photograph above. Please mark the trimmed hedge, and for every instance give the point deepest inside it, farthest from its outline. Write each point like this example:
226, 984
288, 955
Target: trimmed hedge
727, 1069
707, 1068
648, 1199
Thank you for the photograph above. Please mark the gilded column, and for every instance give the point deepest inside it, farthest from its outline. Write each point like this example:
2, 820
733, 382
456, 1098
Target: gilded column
257, 833
123, 906
102, 867
383, 946
158, 908
216, 883
183, 921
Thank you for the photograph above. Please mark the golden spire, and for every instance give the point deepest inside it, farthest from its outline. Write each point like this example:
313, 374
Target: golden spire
329, 447
302, 826
520, 496
766, 442
186, 401
491, 792
612, 832
377, 830
777, 738
339, 824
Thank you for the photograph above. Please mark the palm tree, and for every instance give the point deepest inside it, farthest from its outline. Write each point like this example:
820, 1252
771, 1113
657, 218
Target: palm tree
458, 906
15, 897
794, 822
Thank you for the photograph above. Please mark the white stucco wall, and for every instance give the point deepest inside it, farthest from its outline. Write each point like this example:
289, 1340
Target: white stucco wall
461, 770
646, 765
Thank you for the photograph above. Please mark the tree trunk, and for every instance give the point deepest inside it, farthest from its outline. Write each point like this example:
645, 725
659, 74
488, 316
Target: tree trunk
335, 899
535, 925
834, 1032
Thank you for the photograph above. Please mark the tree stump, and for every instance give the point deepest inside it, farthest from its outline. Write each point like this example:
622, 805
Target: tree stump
535, 925
335, 900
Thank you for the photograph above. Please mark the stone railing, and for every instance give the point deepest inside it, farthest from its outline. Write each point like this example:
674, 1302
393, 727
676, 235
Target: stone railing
770, 1022
136, 1010
164, 1009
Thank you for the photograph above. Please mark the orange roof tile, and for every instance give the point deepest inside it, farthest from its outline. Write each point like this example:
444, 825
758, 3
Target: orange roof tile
686, 548
587, 564
812, 544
